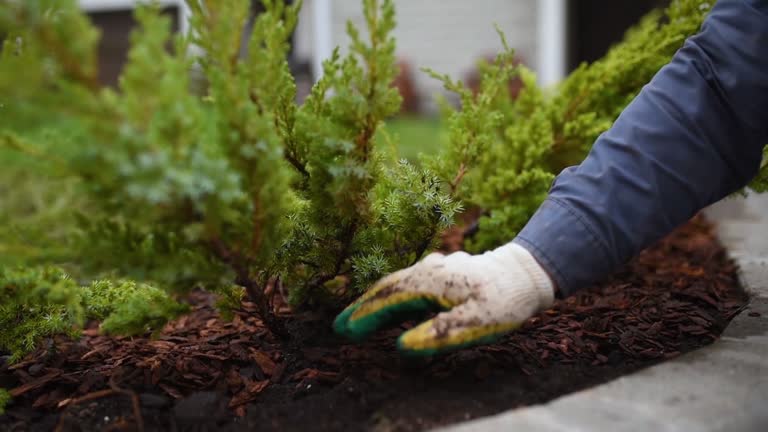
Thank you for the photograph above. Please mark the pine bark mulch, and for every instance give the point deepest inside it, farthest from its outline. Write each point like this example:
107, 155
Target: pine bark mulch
205, 373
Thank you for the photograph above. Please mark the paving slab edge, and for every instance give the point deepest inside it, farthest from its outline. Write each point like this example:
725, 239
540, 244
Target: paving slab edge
722, 387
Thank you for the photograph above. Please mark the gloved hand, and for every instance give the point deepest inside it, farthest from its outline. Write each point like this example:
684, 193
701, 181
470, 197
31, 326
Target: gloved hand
482, 297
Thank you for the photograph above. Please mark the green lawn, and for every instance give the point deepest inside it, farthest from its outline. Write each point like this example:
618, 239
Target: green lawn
416, 135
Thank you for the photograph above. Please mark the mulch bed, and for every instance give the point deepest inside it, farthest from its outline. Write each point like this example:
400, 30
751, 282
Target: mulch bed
204, 373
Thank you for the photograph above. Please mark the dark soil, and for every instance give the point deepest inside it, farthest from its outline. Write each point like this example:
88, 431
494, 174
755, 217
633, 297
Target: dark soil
203, 373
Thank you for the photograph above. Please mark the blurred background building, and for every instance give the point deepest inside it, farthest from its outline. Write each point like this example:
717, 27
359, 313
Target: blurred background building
550, 36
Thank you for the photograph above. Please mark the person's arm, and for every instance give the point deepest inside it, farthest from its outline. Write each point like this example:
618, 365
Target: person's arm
692, 136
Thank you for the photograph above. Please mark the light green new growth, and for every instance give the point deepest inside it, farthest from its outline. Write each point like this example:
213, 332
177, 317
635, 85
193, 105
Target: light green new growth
129, 308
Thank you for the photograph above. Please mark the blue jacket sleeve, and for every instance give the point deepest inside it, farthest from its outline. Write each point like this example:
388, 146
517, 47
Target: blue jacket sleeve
692, 136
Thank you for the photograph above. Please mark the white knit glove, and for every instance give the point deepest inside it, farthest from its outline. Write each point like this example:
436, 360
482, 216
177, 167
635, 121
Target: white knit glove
483, 297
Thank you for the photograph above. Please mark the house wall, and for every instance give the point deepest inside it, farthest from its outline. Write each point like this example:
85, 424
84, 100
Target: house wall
114, 19
116, 27
446, 35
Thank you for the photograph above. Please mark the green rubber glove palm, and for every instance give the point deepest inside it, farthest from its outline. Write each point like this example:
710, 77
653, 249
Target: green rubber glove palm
481, 296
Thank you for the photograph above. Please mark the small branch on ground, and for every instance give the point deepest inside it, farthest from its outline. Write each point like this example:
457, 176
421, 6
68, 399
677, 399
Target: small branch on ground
114, 391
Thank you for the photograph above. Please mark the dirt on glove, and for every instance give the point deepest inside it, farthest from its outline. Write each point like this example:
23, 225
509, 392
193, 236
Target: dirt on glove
204, 373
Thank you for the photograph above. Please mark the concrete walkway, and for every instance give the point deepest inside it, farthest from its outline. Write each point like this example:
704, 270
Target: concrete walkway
723, 387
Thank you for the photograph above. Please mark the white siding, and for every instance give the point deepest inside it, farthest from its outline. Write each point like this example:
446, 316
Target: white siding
446, 35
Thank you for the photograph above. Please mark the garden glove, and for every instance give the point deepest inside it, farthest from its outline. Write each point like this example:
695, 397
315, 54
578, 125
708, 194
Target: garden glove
482, 297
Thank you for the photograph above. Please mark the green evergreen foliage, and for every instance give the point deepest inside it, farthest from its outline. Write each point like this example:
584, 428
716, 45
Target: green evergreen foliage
224, 182
507, 152
359, 216
237, 187
129, 308
40, 302
34, 304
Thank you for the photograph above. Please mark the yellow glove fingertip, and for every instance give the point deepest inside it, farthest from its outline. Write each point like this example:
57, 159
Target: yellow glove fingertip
424, 339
